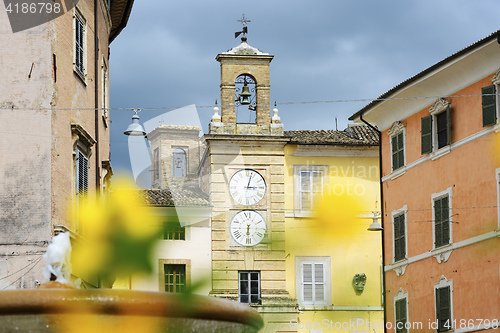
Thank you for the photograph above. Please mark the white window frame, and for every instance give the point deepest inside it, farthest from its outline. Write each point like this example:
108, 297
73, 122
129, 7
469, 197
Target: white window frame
78, 16
299, 290
448, 192
399, 296
403, 210
443, 282
396, 128
297, 169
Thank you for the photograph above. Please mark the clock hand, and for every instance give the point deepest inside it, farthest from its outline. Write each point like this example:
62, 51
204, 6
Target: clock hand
249, 179
248, 229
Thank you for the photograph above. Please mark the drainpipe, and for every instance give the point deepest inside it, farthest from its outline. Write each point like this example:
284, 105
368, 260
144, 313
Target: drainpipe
96, 100
381, 213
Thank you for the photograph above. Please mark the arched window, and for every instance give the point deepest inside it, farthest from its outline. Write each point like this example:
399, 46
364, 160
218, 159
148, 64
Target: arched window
179, 163
245, 99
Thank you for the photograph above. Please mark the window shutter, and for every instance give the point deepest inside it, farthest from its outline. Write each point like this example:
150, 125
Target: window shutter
319, 283
438, 235
426, 134
448, 125
394, 142
401, 314
445, 218
401, 154
82, 169
489, 106
443, 309
307, 283
399, 237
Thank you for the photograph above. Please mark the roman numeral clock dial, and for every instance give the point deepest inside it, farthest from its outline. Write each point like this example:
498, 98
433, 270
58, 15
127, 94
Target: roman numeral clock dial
247, 187
248, 228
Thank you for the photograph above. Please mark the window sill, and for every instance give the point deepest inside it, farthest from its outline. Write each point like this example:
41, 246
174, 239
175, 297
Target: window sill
80, 75
340, 308
443, 253
397, 173
440, 152
303, 214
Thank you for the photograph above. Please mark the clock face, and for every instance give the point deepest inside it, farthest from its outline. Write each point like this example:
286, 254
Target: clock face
248, 228
247, 187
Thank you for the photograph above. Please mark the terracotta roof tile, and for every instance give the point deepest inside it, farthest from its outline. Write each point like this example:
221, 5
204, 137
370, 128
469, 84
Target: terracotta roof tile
351, 136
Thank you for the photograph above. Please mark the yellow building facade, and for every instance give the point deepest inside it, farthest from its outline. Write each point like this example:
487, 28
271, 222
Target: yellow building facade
333, 263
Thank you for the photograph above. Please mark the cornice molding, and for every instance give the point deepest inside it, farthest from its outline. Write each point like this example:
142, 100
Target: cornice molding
496, 77
396, 127
439, 105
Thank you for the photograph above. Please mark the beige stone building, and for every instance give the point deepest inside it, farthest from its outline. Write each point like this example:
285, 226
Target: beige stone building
55, 146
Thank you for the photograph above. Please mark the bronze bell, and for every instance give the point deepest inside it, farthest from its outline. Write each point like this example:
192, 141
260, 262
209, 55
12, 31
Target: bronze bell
245, 95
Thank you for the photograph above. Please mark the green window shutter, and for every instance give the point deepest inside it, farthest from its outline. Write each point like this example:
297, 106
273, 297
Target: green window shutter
397, 151
441, 222
399, 237
401, 315
426, 134
443, 309
489, 106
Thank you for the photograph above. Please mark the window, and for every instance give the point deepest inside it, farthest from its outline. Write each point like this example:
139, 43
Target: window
489, 105
441, 221
179, 163
172, 230
175, 278
79, 43
399, 222
249, 287
400, 313
436, 128
311, 185
444, 311
82, 177
105, 92
156, 164
309, 182
398, 152
313, 281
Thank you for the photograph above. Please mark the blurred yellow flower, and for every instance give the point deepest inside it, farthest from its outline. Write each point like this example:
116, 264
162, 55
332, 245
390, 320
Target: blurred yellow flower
119, 234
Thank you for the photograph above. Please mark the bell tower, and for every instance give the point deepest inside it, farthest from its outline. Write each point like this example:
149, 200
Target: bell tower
245, 163
245, 82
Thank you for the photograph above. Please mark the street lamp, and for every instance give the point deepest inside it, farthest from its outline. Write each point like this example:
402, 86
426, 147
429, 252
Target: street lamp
375, 226
135, 129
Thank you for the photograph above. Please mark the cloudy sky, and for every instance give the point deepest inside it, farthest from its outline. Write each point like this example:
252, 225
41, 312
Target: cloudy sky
324, 50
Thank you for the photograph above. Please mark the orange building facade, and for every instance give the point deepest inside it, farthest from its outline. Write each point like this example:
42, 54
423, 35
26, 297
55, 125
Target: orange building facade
441, 193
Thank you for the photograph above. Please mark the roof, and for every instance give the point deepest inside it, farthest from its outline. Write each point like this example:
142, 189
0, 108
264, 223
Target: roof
360, 135
119, 12
244, 49
425, 72
175, 196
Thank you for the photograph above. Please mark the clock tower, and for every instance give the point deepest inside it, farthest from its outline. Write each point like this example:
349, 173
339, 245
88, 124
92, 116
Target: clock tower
245, 169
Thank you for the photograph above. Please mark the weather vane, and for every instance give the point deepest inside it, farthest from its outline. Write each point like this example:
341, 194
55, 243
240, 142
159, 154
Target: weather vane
243, 21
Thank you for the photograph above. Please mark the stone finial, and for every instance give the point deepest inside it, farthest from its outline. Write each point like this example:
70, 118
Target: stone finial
216, 117
275, 119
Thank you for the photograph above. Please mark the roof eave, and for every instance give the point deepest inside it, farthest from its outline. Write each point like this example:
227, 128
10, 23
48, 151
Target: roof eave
122, 10
369, 107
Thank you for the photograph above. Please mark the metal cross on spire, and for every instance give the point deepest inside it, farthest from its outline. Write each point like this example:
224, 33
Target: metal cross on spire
243, 21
